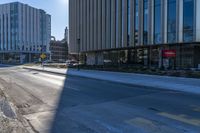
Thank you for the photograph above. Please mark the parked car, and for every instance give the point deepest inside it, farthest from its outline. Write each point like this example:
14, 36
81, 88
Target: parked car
71, 63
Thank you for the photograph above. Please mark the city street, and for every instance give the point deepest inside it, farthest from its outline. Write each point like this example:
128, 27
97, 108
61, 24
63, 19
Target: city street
58, 104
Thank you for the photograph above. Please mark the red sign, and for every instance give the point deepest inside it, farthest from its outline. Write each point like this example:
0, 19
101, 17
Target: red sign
169, 53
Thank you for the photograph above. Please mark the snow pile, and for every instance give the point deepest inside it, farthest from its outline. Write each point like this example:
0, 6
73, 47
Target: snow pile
8, 117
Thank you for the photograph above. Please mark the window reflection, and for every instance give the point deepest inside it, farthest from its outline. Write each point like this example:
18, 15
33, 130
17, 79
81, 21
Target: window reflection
157, 20
171, 21
188, 20
146, 13
136, 21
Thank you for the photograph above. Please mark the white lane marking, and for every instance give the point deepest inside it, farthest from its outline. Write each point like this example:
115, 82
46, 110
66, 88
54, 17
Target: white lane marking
149, 125
181, 118
196, 108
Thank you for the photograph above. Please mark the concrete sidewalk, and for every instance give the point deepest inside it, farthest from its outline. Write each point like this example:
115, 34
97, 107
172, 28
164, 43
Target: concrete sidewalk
190, 85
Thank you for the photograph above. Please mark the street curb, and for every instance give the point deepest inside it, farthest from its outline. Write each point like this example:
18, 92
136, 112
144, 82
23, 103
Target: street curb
45, 71
129, 84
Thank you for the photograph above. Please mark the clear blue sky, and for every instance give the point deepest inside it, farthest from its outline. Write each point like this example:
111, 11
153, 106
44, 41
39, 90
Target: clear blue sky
58, 9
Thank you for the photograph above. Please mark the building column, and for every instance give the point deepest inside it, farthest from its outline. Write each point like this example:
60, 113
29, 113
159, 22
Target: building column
88, 24
103, 24
99, 24
141, 22
118, 23
124, 23
22, 58
132, 23
93, 26
30, 58
180, 20
113, 24
163, 7
108, 24
2, 58
91, 59
197, 20
165, 19
95, 32
99, 58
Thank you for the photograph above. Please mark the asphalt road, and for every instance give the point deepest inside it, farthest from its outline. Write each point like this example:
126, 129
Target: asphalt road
59, 104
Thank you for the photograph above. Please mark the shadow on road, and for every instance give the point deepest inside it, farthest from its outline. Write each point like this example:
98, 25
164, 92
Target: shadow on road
69, 97
71, 104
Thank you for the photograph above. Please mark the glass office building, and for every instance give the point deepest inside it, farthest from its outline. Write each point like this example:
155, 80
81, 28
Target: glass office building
136, 31
25, 32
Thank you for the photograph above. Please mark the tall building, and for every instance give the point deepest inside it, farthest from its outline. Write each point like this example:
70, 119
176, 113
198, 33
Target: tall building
25, 33
66, 35
146, 32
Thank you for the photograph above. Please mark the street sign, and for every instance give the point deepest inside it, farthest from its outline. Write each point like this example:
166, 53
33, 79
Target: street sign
43, 56
169, 53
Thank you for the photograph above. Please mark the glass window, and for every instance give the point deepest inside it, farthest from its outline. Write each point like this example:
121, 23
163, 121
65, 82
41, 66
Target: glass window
136, 21
188, 20
171, 21
146, 12
157, 21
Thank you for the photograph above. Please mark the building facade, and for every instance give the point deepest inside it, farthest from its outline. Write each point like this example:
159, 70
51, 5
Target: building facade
147, 32
25, 33
59, 50
66, 35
